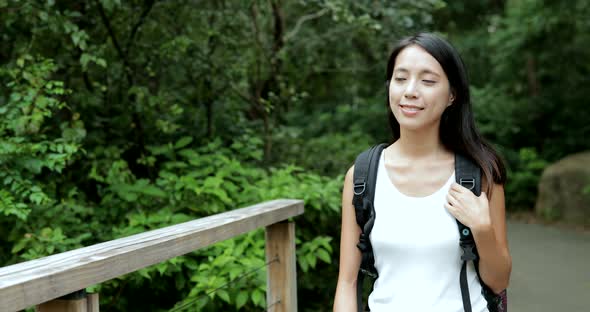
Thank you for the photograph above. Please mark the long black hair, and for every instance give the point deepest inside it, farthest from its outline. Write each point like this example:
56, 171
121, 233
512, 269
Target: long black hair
457, 127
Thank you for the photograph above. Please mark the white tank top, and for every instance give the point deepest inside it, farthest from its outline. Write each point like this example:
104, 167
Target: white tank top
417, 255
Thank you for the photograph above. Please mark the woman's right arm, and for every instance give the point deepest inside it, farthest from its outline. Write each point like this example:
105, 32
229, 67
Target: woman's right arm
350, 255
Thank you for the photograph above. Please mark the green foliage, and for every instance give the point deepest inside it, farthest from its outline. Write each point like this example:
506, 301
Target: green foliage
309, 253
525, 70
231, 273
48, 241
118, 117
29, 143
527, 101
321, 145
213, 178
523, 180
39, 138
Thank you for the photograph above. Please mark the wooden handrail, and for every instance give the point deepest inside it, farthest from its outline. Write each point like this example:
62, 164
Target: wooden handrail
33, 282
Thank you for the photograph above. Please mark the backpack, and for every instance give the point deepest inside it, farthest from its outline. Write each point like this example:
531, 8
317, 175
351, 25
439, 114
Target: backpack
467, 174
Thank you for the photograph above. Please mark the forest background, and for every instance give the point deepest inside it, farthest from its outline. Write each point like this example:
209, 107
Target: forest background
117, 117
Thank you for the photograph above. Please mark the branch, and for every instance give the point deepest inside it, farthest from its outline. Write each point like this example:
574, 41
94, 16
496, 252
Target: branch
321, 38
122, 55
144, 14
278, 28
302, 20
254, 15
206, 60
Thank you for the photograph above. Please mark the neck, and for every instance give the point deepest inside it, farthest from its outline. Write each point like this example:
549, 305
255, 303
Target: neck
420, 144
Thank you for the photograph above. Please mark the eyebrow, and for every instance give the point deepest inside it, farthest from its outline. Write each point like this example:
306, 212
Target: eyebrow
423, 71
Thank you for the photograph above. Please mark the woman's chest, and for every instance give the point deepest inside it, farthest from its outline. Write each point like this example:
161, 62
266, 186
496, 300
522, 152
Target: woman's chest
417, 181
419, 224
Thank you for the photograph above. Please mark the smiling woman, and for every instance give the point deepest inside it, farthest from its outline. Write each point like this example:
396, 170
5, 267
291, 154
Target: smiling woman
419, 91
413, 239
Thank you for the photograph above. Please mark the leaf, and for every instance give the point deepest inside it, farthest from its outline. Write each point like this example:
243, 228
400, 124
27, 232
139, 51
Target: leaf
109, 5
46, 232
303, 264
202, 303
84, 59
323, 255
162, 267
42, 15
241, 299
184, 141
101, 62
257, 297
221, 194
37, 198
152, 191
129, 191
144, 273
239, 250
130, 197
311, 259
33, 164
222, 293
19, 246
221, 261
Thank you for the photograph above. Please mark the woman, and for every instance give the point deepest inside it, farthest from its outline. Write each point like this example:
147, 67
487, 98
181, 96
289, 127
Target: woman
415, 237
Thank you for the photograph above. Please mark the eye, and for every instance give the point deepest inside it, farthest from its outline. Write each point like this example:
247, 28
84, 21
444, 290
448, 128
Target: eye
400, 79
430, 82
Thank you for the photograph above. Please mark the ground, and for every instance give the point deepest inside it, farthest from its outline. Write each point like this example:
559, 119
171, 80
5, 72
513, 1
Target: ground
550, 266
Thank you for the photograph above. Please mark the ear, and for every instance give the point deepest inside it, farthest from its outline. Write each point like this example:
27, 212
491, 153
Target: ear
451, 98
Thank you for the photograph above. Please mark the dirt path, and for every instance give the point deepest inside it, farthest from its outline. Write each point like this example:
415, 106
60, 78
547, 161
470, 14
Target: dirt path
550, 269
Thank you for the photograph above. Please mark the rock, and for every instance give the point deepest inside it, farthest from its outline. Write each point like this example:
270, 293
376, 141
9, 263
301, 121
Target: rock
561, 190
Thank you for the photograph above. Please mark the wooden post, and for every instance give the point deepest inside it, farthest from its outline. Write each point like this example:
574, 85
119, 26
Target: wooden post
63, 305
281, 280
92, 302
78, 301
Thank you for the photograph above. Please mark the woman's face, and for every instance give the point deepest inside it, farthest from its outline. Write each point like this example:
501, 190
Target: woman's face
419, 89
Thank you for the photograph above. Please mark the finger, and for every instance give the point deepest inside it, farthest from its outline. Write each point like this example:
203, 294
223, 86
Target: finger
454, 192
452, 210
449, 207
455, 186
452, 200
459, 188
457, 193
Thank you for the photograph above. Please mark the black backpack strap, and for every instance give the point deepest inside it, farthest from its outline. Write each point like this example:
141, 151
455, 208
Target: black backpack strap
364, 179
468, 175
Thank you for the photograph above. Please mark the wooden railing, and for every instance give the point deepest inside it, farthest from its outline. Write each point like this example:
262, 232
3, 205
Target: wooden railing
39, 282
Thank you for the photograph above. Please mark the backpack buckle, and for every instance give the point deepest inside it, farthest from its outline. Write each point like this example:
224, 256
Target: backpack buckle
359, 186
468, 181
468, 251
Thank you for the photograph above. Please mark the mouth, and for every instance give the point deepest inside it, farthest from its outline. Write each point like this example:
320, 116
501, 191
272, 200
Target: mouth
410, 108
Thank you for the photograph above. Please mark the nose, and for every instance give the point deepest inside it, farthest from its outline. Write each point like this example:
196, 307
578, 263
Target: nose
411, 91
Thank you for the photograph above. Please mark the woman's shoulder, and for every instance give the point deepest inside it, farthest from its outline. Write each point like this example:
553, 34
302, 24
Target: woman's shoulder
349, 174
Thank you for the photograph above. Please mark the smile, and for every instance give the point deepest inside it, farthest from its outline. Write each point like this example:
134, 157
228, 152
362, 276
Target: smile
410, 108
